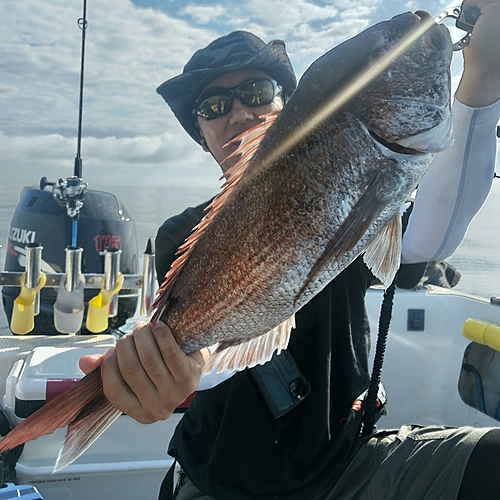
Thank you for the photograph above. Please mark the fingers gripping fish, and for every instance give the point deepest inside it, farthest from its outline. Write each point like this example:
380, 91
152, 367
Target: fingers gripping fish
315, 186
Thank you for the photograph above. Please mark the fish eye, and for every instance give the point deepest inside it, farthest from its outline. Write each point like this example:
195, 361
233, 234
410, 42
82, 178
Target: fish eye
377, 56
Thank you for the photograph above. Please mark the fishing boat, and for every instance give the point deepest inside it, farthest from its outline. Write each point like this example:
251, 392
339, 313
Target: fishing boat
72, 284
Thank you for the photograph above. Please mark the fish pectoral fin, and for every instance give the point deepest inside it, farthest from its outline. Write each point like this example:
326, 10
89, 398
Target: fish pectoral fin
84, 430
256, 351
355, 225
383, 254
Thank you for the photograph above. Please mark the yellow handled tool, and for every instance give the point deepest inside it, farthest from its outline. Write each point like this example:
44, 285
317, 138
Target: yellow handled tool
483, 333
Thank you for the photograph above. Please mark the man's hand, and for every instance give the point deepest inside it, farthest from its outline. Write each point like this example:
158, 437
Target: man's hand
147, 375
480, 83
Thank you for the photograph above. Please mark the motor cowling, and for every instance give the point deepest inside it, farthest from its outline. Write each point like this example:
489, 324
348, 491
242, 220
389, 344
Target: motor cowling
103, 223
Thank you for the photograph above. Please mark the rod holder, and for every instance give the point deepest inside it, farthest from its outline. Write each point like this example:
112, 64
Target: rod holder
69, 305
33, 269
27, 304
148, 279
101, 306
111, 272
73, 268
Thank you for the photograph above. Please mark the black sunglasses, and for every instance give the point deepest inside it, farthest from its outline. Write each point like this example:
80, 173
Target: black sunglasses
252, 93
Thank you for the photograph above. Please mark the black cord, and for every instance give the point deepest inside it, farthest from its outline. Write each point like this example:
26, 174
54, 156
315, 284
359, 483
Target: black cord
370, 402
479, 386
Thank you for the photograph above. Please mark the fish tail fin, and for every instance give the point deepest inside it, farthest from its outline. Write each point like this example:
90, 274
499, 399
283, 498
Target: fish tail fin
69, 408
85, 429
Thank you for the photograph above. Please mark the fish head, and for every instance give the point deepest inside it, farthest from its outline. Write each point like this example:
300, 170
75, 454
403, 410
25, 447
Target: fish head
394, 77
406, 107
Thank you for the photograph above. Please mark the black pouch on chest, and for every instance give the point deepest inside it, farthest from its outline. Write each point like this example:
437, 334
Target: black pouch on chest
280, 383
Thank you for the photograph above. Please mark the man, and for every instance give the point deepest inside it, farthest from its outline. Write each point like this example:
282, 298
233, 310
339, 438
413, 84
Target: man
228, 443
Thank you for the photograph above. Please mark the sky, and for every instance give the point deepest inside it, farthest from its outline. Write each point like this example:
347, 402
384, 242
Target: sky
129, 134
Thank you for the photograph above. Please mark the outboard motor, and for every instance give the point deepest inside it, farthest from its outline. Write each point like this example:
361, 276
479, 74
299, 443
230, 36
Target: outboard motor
103, 223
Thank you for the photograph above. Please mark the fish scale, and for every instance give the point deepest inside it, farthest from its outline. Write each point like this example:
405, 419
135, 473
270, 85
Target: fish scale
292, 245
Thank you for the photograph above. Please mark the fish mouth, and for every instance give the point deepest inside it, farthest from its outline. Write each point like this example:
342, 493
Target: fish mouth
433, 140
394, 146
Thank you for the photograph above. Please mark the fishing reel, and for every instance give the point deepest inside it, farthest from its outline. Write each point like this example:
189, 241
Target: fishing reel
68, 193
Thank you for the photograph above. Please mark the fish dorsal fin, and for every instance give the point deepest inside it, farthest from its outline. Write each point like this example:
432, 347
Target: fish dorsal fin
249, 142
256, 351
383, 254
355, 225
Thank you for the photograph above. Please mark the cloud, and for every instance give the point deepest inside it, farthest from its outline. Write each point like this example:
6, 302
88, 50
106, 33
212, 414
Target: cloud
162, 160
309, 27
130, 50
126, 125
206, 14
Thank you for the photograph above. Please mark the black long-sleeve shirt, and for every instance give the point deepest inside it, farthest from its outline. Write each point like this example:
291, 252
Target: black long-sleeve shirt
229, 444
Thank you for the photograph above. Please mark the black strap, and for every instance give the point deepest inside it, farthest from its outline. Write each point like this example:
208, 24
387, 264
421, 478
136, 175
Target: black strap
370, 402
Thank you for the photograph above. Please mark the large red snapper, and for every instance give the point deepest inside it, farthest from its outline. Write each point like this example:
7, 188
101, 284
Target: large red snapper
297, 217
326, 184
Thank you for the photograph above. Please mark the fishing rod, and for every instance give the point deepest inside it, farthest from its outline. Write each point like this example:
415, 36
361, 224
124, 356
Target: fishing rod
82, 23
70, 192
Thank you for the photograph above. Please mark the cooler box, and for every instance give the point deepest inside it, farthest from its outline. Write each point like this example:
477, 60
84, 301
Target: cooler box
46, 372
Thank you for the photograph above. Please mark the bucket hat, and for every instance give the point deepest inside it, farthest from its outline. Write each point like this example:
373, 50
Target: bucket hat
237, 51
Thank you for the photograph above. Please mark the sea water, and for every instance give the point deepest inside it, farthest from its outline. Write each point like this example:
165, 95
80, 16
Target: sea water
477, 258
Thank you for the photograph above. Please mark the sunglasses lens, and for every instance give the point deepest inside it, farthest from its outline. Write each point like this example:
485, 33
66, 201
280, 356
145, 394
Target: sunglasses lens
214, 106
256, 93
